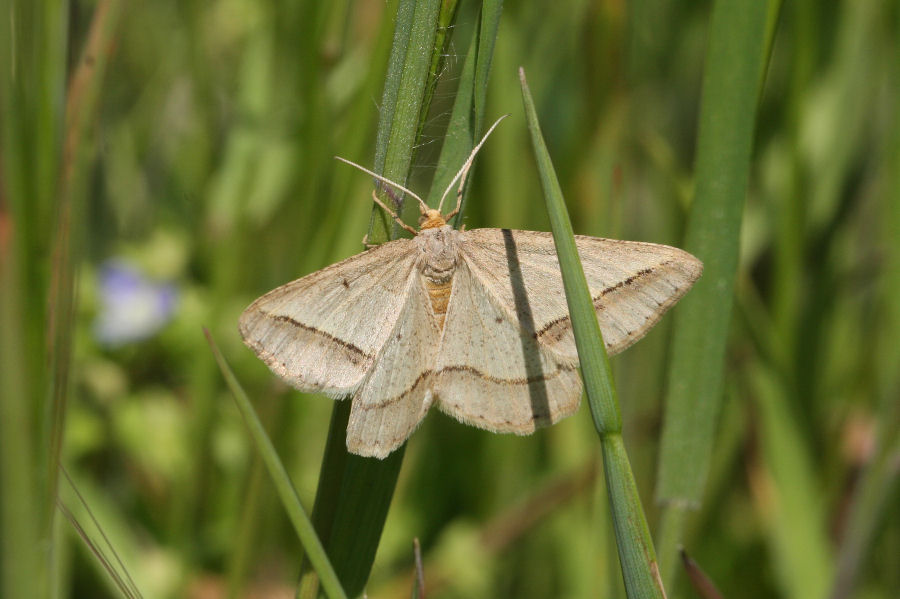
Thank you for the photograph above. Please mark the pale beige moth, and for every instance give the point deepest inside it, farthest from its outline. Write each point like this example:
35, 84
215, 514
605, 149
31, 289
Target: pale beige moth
472, 322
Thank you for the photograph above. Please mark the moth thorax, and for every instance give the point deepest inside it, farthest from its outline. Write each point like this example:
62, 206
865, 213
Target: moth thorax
439, 253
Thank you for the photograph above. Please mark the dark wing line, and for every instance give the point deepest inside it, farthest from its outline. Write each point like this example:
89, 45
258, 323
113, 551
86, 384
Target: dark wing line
311, 329
596, 299
563, 367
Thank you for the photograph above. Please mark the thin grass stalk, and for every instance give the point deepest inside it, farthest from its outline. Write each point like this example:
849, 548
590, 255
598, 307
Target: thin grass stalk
735, 56
115, 576
102, 548
114, 539
418, 590
312, 545
636, 554
78, 154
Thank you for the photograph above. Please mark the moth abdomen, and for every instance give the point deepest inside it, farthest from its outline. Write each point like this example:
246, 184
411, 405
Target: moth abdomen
439, 294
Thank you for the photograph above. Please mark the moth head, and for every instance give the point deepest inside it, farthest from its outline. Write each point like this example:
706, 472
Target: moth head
431, 219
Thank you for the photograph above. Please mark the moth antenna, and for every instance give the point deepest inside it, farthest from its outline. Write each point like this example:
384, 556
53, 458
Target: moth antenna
392, 213
464, 172
422, 205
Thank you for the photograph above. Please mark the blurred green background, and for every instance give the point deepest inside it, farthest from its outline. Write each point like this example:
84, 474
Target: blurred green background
206, 176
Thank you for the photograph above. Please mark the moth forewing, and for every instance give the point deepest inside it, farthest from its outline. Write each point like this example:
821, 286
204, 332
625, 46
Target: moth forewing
324, 331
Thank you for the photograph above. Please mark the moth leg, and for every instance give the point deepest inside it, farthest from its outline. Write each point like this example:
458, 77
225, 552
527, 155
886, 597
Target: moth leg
392, 213
366, 244
459, 194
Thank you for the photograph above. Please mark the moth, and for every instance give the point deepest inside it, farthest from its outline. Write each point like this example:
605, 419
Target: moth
473, 322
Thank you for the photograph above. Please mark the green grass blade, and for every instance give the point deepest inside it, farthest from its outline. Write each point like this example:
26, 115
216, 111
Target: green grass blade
32, 92
467, 117
18, 517
362, 506
403, 108
389, 97
594, 362
735, 56
443, 31
489, 23
315, 551
636, 553
459, 139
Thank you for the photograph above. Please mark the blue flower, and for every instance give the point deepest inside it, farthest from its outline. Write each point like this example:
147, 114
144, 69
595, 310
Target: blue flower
132, 307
